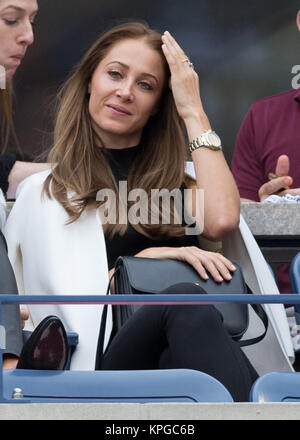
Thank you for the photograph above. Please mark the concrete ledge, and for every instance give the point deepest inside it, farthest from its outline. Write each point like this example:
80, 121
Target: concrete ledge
153, 411
272, 218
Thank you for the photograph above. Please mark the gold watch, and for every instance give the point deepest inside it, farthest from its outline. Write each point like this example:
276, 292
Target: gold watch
208, 139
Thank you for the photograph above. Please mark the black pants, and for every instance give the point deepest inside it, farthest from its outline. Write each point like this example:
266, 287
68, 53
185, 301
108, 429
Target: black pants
181, 336
10, 318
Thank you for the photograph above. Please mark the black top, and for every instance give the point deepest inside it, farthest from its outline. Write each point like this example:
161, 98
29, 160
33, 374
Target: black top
7, 161
133, 242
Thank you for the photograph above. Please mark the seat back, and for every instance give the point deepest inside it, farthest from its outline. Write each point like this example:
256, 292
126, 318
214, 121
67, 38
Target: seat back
114, 386
277, 386
8, 284
295, 282
295, 273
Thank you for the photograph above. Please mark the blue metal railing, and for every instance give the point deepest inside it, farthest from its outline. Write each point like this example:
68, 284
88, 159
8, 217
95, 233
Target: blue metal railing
139, 300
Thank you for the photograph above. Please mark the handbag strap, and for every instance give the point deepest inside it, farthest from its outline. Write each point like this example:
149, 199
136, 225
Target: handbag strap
100, 343
259, 310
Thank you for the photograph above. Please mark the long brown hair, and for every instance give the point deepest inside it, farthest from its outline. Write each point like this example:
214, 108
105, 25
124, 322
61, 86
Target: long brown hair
82, 167
7, 125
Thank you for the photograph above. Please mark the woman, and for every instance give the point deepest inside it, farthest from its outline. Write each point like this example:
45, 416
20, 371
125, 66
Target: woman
120, 118
16, 35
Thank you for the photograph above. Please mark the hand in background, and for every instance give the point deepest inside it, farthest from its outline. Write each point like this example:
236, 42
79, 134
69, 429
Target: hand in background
279, 185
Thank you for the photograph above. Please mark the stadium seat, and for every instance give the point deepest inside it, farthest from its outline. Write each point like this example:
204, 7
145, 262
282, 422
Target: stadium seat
295, 282
113, 386
277, 386
295, 273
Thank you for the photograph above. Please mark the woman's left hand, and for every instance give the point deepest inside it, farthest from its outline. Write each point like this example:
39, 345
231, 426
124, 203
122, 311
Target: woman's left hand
184, 80
202, 261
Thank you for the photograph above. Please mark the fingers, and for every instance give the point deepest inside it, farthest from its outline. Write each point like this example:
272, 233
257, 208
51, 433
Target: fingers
174, 53
283, 166
274, 186
184, 81
292, 192
24, 313
216, 264
170, 54
173, 47
203, 262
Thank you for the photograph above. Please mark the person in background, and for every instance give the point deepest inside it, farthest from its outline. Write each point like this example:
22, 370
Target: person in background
266, 159
16, 35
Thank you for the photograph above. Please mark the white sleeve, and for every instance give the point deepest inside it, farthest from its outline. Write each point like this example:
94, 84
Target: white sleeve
52, 258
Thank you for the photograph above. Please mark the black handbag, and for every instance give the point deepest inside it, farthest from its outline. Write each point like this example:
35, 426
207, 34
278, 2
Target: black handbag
134, 275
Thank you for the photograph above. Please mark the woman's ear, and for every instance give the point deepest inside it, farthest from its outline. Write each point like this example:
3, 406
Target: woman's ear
298, 20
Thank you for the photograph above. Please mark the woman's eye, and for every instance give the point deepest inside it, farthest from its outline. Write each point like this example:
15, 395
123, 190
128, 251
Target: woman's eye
145, 85
9, 22
114, 74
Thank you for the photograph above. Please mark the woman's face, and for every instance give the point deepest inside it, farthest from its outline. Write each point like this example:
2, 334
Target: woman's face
16, 34
125, 91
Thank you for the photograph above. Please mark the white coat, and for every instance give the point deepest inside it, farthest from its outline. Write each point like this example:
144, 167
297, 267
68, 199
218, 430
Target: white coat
51, 258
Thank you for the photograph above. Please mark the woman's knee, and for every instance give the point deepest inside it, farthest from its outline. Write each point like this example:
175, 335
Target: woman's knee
196, 315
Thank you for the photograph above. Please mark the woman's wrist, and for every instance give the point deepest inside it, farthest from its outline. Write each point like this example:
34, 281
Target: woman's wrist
196, 123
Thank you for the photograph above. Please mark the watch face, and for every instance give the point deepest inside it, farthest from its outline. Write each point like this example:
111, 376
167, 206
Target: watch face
214, 139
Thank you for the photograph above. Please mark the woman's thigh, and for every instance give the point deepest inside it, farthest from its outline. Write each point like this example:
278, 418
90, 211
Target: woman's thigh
139, 343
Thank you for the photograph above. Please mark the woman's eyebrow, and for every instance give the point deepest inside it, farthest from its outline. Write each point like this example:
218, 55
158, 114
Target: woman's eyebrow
18, 9
127, 67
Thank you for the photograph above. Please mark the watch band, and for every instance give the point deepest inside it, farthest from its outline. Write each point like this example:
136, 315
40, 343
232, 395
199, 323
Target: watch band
203, 141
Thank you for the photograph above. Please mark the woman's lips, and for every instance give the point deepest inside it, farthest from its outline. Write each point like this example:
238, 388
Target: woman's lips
119, 110
16, 59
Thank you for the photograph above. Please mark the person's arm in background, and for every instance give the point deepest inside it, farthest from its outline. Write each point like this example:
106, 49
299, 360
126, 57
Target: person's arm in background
247, 168
13, 171
19, 172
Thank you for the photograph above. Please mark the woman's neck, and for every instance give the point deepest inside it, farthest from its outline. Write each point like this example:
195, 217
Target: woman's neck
115, 141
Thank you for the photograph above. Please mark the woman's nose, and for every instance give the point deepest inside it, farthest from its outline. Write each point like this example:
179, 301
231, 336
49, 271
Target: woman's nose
125, 91
26, 35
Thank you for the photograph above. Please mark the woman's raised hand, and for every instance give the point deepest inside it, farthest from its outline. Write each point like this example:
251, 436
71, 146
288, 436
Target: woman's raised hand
184, 80
202, 261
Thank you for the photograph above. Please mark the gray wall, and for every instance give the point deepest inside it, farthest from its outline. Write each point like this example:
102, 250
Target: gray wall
242, 50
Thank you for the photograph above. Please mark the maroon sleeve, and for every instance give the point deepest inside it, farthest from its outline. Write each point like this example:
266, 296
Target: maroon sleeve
246, 164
